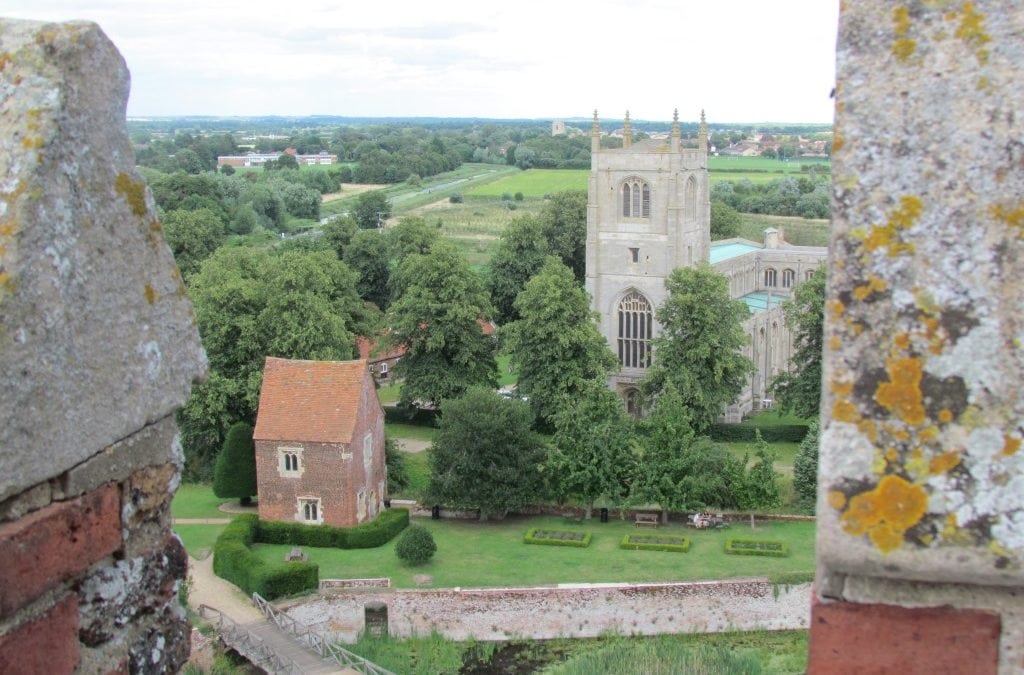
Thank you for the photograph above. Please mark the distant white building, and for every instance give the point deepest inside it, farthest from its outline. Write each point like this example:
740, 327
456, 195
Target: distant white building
256, 159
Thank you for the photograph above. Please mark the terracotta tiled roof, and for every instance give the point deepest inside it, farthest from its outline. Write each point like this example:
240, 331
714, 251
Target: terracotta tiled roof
377, 351
314, 401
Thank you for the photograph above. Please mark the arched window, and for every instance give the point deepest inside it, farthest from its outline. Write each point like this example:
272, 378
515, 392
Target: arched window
635, 325
788, 276
808, 274
770, 278
633, 405
690, 199
636, 198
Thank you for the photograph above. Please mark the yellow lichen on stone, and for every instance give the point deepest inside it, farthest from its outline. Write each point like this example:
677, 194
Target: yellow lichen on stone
886, 512
891, 455
869, 429
836, 309
885, 236
150, 294
1011, 445
844, 411
902, 341
944, 462
972, 31
834, 343
1012, 216
901, 395
902, 47
875, 285
945, 415
133, 192
836, 500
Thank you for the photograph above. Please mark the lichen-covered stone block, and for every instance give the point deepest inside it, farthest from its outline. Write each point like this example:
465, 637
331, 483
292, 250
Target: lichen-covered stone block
922, 473
97, 337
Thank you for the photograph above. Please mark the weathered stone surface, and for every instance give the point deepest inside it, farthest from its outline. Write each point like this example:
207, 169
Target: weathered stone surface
156, 444
97, 338
921, 476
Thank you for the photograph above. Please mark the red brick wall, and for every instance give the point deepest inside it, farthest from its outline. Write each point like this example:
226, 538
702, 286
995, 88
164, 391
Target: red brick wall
325, 474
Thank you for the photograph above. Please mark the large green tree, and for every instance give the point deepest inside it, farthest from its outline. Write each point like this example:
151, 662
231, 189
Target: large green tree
725, 221
251, 303
370, 209
338, 233
519, 255
590, 457
192, 236
674, 467
234, 474
555, 345
411, 235
485, 455
698, 350
799, 390
435, 316
367, 256
805, 468
564, 225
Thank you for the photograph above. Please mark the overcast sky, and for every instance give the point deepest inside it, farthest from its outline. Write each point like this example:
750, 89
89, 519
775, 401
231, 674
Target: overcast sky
741, 60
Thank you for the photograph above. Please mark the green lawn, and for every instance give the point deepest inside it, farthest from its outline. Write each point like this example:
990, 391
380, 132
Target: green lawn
198, 539
413, 431
417, 466
505, 377
472, 554
196, 500
798, 231
772, 419
535, 183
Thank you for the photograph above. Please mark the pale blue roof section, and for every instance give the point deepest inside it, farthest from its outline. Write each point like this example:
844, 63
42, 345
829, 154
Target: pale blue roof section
758, 302
720, 252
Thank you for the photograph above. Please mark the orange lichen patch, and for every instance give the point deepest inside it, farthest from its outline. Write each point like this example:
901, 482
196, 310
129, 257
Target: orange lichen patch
895, 431
1012, 216
874, 285
1011, 445
836, 500
836, 309
844, 411
949, 526
945, 415
861, 514
944, 462
902, 394
32, 142
902, 341
884, 236
903, 47
929, 434
900, 503
972, 31
891, 455
133, 192
869, 429
150, 294
886, 537
834, 343
5, 58
841, 388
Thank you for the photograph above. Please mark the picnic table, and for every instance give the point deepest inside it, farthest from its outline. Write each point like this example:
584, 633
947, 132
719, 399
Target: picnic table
646, 519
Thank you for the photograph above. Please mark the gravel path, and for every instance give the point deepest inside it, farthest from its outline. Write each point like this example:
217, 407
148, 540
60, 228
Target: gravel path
209, 589
412, 445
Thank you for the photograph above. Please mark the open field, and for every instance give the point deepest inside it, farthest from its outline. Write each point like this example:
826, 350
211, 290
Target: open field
475, 226
351, 189
472, 554
798, 231
762, 164
535, 183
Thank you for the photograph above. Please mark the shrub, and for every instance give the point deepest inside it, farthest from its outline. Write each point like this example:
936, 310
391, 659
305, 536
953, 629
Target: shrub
456, 198
376, 533
785, 433
557, 538
805, 467
416, 545
646, 542
772, 549
519, 196
234, 474
233, 561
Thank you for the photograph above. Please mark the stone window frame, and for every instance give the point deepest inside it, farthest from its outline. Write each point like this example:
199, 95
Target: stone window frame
788, 278
634, 254
771, 277
293, 453
307, 505
690, 198
631, 399
809, 274
635, 198
635, 321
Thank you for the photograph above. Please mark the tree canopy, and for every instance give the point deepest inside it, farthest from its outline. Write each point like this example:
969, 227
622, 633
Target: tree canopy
799, 391
370, 209
555, 344
564, 225
698, 350
440, 301
485, 455
519, 255
192, 236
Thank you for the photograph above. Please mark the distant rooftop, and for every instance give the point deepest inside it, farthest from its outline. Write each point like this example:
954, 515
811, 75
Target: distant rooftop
758, 302
720, 252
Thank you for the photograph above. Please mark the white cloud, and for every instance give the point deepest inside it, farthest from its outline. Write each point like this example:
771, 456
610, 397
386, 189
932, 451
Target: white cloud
742, 60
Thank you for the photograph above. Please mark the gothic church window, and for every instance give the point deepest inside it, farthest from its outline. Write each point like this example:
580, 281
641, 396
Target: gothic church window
633, 405
690, 199
770, 278
634, 335
788, 276
636, 199
309, 510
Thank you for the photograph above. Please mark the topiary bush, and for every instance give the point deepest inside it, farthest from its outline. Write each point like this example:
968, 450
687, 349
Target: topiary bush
234, 474
783, 433
805, 468
416, 545
376, 533
233, 561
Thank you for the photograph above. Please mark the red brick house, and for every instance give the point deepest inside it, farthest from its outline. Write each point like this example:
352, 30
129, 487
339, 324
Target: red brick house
319, 443
382, 359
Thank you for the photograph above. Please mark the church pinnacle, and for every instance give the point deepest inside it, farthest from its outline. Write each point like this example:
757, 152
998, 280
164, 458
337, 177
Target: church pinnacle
702, 136
627, 132
595, 135
675, 130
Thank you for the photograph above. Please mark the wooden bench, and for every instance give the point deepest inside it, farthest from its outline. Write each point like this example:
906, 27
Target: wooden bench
646, 519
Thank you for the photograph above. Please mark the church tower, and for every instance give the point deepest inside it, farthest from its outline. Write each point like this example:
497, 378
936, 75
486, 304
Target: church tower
648, 212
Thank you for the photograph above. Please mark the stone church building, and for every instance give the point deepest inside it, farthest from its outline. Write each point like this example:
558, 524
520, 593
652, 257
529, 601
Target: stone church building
649, 212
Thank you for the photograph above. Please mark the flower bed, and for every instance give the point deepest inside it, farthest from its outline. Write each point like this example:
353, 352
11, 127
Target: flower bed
557, 538
655, 542
773, 549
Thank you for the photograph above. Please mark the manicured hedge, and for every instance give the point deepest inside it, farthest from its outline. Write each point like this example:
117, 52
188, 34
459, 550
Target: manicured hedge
785, 433
635, 542
376, 533
233, 561
765, 547
532, 538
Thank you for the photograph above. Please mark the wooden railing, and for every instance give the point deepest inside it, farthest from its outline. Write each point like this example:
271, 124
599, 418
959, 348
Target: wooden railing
248, 644
327, 649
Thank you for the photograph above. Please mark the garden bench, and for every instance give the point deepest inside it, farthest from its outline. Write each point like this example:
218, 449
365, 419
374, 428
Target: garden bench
646, 519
